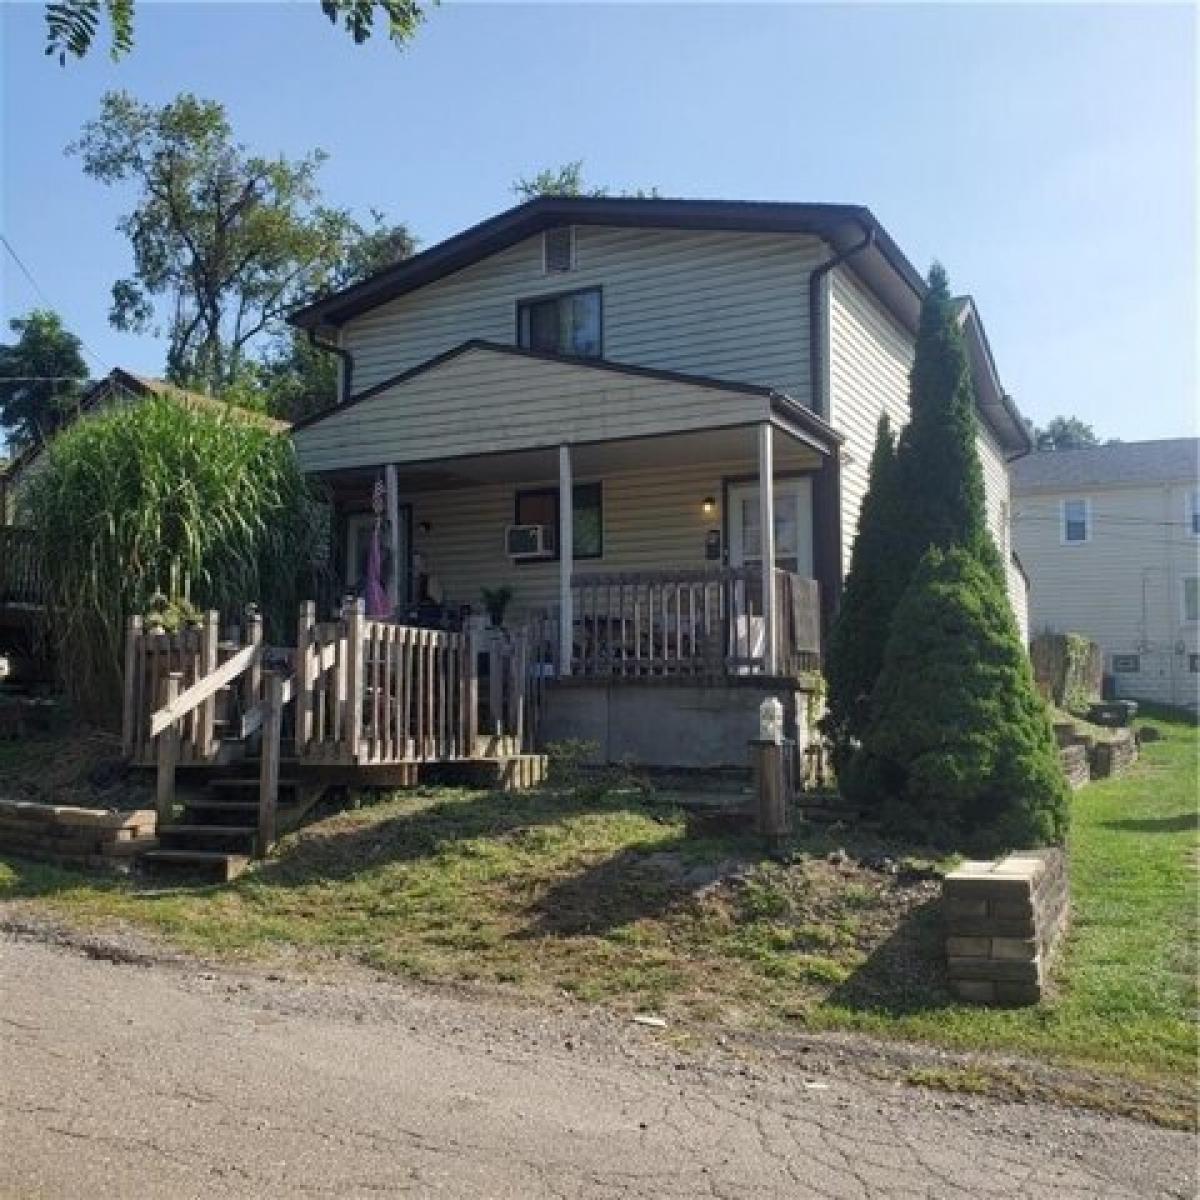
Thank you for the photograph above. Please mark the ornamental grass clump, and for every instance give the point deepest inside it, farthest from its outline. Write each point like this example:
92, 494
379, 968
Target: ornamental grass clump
959, 750
156, 498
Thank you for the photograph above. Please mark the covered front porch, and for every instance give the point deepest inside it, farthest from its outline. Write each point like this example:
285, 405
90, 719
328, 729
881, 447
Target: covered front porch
630, 559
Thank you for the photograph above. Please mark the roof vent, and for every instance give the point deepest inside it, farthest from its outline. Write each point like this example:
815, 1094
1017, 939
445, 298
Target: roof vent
558, 249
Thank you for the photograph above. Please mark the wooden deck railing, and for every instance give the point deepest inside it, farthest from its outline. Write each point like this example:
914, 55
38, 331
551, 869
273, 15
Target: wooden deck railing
21, 579
376, 692
691, 623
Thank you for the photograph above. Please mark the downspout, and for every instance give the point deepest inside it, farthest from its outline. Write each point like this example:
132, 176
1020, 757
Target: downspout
347, 358
827, 497
816, 359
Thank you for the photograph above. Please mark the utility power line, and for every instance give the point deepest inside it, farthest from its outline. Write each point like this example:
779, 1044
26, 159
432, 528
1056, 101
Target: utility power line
33, 283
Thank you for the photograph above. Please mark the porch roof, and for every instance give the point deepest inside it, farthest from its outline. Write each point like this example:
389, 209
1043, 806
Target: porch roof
483, 398
724, 448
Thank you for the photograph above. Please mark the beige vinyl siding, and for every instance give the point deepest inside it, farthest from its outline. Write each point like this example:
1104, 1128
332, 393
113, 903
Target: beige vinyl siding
483, 401
653, 520
870, 360
730, 305
1124, 586
999, 518
870, 357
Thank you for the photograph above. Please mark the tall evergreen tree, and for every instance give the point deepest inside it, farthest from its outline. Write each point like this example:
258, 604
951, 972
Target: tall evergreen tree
939, 481
959, 750
859, 634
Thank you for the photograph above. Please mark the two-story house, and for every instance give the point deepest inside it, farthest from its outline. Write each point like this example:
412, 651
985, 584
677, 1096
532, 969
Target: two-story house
1110, 538
619, 409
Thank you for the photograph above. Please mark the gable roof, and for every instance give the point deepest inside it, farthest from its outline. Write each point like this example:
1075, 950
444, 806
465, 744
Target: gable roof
1166, 460
142, 387
810, 427
996, 406
882, 264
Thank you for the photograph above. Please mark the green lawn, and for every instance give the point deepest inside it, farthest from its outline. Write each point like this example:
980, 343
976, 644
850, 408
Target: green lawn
605, 896
1125, 991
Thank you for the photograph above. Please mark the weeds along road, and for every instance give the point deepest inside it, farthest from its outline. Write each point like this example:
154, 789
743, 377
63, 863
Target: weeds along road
175, 1079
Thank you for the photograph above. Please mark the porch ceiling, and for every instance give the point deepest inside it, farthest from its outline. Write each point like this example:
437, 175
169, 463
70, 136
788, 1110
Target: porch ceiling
597, 459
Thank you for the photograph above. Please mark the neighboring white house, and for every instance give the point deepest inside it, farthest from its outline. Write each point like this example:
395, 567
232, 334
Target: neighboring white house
657, 342
1110, 539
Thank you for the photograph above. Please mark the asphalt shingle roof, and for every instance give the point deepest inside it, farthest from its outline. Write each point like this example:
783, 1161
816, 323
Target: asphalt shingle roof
1123, 462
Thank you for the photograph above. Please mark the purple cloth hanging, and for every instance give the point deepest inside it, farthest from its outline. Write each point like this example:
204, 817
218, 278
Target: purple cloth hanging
376, 597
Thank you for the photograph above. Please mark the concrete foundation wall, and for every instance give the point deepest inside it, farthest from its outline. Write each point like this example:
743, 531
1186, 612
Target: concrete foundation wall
659, 723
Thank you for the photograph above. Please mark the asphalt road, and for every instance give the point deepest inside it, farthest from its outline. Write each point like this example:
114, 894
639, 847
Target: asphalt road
178, 1080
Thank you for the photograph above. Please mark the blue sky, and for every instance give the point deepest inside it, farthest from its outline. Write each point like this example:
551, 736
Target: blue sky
1046, 154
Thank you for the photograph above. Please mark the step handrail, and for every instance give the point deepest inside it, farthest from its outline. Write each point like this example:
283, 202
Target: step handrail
252, 721
178, 707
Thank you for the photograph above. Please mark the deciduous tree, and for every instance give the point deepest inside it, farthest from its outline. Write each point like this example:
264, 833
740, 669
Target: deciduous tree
568, 180
42, 375
1065, 433
225, 242
72, 25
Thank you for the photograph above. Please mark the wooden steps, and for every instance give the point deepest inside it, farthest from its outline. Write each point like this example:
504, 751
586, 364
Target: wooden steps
214, 865
217, 836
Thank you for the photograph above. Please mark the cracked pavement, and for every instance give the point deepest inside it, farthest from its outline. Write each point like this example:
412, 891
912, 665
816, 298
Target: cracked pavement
179, 1079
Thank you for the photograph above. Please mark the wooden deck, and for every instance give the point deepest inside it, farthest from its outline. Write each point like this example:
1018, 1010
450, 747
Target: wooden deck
705, 624
354, 703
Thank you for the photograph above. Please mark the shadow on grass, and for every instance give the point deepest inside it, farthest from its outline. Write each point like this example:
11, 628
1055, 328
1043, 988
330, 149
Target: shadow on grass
904, 974
342, 852
1180, 823
619, 891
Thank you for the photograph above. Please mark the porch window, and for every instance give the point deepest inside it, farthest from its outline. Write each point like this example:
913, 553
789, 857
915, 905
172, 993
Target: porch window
568, 323
1076, 521
539, 506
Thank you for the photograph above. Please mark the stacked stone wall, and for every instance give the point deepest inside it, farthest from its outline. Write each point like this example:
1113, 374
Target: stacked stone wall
79, 837
1005, 922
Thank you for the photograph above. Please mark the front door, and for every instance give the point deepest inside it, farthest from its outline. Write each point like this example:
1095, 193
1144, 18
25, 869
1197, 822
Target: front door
793, 526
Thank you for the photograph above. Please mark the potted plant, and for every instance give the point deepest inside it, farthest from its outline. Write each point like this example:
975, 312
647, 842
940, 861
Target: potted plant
495, 600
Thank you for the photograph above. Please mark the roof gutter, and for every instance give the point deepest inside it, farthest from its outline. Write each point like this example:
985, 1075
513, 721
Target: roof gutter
816, 340
347, 363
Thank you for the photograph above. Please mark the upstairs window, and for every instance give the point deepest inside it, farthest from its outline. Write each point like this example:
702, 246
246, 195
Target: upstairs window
568, 323
558, 249
1191, 598
1076, 521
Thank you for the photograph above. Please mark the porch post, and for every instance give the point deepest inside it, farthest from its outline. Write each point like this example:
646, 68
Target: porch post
766, 522
393, 516
566, 560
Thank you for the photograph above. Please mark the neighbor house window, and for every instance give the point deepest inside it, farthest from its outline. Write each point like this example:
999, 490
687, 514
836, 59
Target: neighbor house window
1193, 512
1076, 517
539, 506
563, 324
1126, 664
1194, 663
1191, 598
